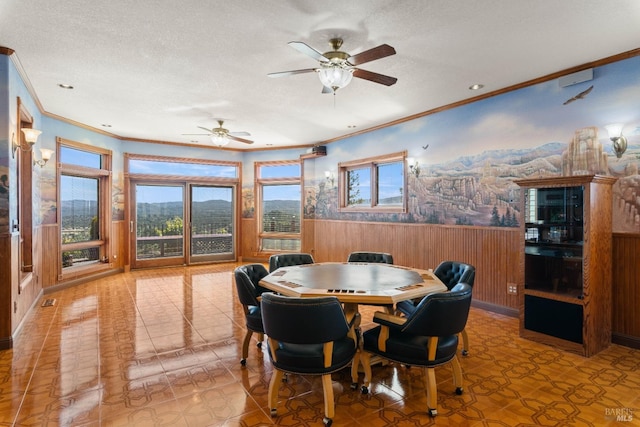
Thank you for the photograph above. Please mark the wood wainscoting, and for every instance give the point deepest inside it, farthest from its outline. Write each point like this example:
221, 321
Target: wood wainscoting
494, 251
625, 316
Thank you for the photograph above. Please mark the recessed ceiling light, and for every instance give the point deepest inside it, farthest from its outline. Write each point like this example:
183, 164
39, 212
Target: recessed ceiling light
65, 86
476, 86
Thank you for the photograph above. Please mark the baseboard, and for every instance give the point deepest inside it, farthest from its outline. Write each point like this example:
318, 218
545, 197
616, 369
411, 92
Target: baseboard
6, 343
511, 312
626, 340
72, 283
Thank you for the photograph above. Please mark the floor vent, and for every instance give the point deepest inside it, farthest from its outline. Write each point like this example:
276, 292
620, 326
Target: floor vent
50, 302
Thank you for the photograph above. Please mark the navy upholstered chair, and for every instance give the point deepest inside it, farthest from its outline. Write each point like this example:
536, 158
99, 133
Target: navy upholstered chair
287, 260
308, 336
450, 273
373, 257
427, 338
247, 279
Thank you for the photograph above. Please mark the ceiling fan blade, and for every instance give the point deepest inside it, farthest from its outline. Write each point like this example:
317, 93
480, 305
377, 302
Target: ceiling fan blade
204, 128
308, 50
374, 77
239, 134
291, 73
235, 138
195, 134
381, 51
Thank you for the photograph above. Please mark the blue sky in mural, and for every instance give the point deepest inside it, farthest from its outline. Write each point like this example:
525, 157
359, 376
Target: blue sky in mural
526, 118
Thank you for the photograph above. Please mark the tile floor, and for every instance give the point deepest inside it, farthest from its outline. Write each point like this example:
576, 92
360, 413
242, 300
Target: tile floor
162, 348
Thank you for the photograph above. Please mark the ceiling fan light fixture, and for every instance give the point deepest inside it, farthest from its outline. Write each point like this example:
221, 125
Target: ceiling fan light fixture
335, 76
219, 139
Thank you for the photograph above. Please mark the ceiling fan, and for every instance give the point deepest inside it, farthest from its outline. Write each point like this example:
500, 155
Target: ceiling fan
337, 68
221, 136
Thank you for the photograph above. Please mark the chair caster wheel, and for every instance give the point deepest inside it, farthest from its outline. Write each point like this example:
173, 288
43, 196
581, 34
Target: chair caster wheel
459, 390
327, 421
243, 362
274, 413
433, 412
259, 345
354, 386
364, 389
465, 352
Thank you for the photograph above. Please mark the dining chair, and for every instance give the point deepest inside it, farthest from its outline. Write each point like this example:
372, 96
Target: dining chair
450, 273
247, 278
372, 257
307, 336
285, 260
427, 338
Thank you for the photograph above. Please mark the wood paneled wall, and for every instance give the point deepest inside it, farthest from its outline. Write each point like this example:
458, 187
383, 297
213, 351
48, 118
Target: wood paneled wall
248, 239
626, 288
6, 298
495, 252
49, 266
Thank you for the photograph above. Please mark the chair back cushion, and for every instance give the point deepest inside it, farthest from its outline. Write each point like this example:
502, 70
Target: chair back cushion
248, 283
373, 257
301, 326
454, 272
286, 260
441, 314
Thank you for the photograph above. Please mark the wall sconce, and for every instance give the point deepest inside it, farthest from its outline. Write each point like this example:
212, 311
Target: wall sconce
618, 140
30, 136
414, 166
329, 177
46, 155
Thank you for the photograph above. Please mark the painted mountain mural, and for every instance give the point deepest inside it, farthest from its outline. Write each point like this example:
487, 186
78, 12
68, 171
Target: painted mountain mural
480, 190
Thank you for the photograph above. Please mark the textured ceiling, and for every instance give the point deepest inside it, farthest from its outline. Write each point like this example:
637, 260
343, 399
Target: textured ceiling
155, 70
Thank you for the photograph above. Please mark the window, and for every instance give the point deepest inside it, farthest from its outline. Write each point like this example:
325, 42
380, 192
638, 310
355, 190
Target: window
374, 184
84, 205
279, 205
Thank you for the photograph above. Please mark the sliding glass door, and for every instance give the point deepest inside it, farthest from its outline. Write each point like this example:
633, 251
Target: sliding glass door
158, 225
181, 224
212, 223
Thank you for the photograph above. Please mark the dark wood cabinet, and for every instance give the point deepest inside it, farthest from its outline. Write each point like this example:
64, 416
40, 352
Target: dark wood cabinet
566, 297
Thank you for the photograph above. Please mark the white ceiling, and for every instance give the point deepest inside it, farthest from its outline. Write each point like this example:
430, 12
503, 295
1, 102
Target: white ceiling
157, 69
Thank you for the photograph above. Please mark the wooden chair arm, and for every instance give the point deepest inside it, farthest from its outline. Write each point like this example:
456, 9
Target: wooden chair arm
388, 319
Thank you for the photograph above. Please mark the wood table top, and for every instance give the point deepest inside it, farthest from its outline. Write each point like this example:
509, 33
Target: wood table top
364, 283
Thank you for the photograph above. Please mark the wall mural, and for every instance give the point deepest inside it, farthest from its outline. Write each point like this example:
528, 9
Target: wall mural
469, 157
